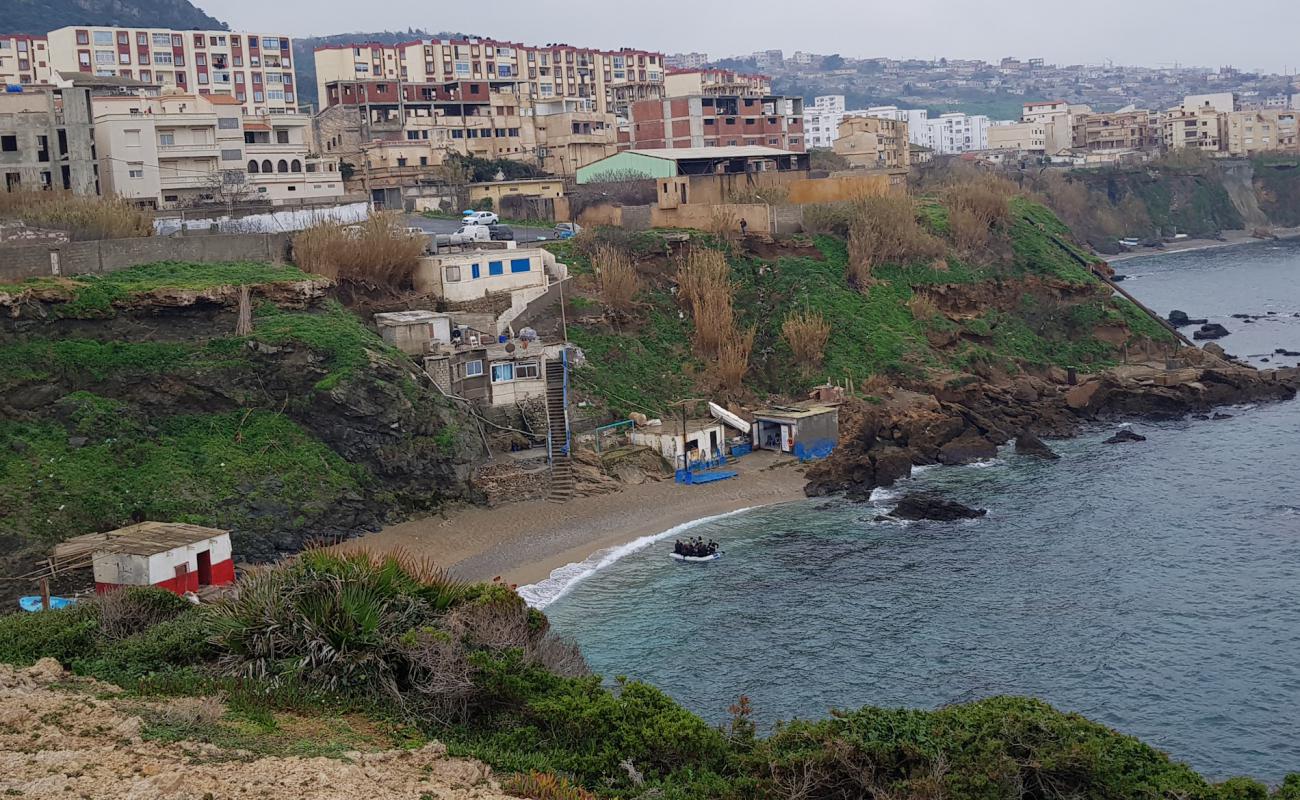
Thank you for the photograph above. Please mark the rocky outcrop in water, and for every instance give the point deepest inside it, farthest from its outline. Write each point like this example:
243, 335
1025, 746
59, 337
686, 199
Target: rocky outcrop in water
925, 505
1125, 435
1212, 330
1028, 444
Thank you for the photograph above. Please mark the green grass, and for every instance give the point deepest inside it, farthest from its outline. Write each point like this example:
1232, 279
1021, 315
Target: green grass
1042, 245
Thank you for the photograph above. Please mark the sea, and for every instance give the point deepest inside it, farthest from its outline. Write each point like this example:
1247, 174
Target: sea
1151, 586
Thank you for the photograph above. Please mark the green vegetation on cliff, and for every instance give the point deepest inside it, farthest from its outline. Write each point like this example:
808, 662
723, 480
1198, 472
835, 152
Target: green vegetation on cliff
472, 666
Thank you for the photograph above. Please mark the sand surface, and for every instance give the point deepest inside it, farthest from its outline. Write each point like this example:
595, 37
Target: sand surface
1183, 245
523, 542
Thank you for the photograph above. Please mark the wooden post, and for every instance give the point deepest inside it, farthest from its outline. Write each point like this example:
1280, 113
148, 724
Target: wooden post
45, 594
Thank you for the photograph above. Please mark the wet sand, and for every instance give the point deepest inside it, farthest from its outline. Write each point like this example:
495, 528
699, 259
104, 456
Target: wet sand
1183, 245
523, 542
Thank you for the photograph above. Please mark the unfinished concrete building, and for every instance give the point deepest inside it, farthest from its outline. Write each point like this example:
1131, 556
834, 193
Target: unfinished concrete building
47, 141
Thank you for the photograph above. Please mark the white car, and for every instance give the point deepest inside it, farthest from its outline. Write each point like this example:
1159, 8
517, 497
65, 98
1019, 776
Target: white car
479, 218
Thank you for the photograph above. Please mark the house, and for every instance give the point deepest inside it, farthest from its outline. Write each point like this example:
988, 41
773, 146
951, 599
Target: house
412, 331
169, 555
472, 275
489, 370
806, 430
684, 444
730, 120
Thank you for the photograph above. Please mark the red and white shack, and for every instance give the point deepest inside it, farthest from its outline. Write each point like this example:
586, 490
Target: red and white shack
170, 555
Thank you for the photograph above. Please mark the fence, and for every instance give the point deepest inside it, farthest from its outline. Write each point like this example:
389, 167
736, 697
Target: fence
108, 255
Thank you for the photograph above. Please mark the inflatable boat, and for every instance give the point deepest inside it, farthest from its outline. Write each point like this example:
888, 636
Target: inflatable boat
710, 557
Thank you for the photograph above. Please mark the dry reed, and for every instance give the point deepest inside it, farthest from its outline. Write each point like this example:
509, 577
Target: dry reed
733, 357
884, 229
378, 254
807, 333
84, 217
616, 278
704, 281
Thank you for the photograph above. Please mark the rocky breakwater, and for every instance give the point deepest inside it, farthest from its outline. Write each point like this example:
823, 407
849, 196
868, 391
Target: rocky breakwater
960, 419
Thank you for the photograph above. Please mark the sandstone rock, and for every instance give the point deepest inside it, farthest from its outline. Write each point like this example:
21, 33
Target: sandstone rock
1030, 445
967, 448
1125, 435
1215, 350
1081, 396
923, 505
891, 464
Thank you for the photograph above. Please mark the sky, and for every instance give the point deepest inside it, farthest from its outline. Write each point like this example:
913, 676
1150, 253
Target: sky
1255, 34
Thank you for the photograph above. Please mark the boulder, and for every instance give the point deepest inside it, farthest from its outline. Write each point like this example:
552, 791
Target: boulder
1028, 444
923, 505
1125, 435
1282, 351
1221, 415
891, 463
1081, 396
1178, 318
1211, 330
1215, 350
968, 447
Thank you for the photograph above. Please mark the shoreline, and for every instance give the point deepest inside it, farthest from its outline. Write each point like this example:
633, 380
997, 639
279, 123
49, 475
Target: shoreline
523, 543
1232, 239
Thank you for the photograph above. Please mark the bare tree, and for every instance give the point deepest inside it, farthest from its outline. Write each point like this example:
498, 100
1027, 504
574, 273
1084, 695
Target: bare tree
226, 187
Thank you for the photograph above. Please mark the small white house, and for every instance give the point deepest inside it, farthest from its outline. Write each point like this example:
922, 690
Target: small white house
703, 440
462, 277
170, 555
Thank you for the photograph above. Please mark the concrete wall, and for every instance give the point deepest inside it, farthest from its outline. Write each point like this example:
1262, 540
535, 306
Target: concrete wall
109, 255
837, 189
706, 217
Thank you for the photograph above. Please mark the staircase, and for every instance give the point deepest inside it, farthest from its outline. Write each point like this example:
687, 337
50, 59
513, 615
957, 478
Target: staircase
562, 480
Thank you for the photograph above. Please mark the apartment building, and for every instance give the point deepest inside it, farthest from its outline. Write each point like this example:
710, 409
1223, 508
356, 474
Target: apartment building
254, 69
918, 121
1250, 133
47, 141
1195, 127
571, 134
1120, 130
1222, 102
955, 133
715, 82
874, 142
181, 149
1023, 137
821, 121
613, 79
24, 60
717, 121
1043, 110
686, 60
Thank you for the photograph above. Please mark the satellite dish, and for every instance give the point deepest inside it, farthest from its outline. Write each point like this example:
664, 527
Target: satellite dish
510, 347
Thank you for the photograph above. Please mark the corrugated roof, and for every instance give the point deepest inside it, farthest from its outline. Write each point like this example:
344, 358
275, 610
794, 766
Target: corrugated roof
144, 539
689, 153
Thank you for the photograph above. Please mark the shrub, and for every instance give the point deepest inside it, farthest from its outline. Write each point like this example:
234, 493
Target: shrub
733, 357
831, 218
64, 634
377, 254
704, 283
82, 216
884, 229
169, 646
617, 279
807, 333
544, 786
134, 609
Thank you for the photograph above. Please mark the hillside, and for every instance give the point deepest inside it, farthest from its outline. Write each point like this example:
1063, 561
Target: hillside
130, 397
40, 17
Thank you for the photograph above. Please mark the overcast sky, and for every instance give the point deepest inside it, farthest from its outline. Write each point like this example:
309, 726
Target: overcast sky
1253, 34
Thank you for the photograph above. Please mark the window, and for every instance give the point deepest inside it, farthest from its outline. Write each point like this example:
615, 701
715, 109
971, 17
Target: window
201, 59
520, 264
142, 39
451, 274
228, 123
103, 37
503, 372
124, 58
167, 139
274, 94
252, 167
84, 59
135, 171
496, 268
162, 58
472, 369
178, 40
232, 155
143, 57
526, 370
83, 37
203, 78
252, 41
270, 43
180, 60
257, 97
474, 271
105, 57
9, 143
162, 40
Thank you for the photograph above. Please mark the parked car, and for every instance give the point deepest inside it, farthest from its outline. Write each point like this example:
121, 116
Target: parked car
479, 218
501, 233
567, 230
474, 233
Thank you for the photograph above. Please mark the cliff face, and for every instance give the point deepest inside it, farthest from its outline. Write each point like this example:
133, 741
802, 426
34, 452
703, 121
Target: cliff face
147, 406
31, 16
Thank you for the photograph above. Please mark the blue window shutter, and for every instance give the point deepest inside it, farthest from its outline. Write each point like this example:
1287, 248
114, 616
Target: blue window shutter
520, 265
496, 268
473, 270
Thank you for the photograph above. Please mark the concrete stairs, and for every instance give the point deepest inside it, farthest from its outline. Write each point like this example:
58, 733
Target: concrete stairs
562, 479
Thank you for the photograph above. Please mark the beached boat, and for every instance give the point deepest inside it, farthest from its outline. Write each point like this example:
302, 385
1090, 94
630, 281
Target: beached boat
33, 602
710, 557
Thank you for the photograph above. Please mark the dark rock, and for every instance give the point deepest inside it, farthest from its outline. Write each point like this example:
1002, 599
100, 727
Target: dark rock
77, 441
1117, 277
1265, 360
1178, 318
1271, 313
1125, 435
1201, 417
967, 448
1211, 331
1249, 321
923, 505
1282, 351
1030, 445
1221, 415
892, 463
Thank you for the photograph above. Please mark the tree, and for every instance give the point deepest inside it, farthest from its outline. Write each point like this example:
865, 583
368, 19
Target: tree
226, 187
833, 62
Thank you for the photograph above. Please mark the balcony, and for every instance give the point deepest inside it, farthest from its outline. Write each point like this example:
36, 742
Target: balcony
188, 180
275, 148
188, 150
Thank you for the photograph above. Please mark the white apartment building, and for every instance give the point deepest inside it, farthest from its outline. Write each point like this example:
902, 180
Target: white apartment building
181, 149
802, 59
686, 60
917, 119
255, 69
821, 120
958, 133
24, 60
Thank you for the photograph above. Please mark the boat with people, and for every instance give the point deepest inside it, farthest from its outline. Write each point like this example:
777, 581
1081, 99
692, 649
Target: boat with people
696, 550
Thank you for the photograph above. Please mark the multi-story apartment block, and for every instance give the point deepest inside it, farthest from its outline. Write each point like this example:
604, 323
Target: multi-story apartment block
1249, 133
768, 59
1196, 127
821, 121
254, 69
178, 149
47, 141
24, 60
1023, 137
919, 131
958, 133
571, 134
1222, 102
1120, 130
613, 79
686, 60
714, 82
874, 142
1043, 110
718, 121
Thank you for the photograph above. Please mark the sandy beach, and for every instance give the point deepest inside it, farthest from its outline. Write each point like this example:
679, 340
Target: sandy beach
523, 542
1230, 238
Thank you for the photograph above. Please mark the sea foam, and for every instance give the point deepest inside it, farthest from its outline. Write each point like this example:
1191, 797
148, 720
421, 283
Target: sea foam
562, 579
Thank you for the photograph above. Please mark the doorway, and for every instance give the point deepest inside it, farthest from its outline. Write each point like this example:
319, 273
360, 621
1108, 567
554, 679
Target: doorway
714, 450
205, 568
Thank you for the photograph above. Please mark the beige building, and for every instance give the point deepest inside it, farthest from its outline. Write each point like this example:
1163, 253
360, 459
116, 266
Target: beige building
179, 149
571, 133
1025, 137
612, 79
1248, 133
873, 142
24, 60
1121, 130
1222, 102
1195, 127
712, 82
255, 69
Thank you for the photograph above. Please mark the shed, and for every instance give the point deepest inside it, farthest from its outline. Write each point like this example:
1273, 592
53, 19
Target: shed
807, 430
170, 555
702, 442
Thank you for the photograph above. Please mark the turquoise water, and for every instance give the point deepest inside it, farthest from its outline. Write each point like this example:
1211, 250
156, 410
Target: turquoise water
1154, 587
